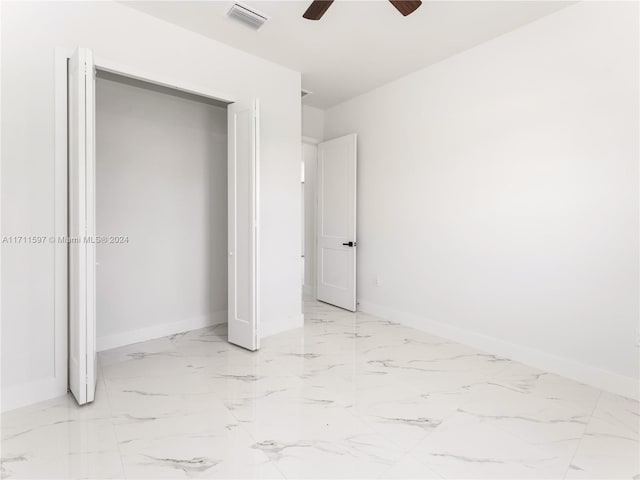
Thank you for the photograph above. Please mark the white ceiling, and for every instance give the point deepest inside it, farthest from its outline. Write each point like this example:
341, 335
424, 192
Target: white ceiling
357, 45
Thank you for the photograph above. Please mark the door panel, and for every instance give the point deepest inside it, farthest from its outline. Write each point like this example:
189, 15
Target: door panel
336, 262
243, 191
82, 275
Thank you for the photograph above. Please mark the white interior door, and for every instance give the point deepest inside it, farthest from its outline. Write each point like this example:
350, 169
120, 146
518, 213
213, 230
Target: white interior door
336, 232
82, 274
243, 192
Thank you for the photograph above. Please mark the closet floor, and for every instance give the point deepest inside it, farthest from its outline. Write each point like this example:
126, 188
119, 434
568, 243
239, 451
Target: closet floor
347, 396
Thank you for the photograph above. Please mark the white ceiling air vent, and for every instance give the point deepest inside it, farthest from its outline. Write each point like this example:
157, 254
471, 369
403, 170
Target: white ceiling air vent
248, 16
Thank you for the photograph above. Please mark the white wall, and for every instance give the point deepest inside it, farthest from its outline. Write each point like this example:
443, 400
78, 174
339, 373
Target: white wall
30, 33
498, 194
161, 163
312, 122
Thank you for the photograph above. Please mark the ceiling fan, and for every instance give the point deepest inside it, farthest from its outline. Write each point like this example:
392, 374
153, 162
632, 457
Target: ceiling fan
317, 8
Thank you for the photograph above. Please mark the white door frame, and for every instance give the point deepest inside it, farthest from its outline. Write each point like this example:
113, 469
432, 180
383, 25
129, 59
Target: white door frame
60, 377
311, 289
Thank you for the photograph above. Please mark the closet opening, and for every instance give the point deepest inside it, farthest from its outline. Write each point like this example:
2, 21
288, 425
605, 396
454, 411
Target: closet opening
160, 203
160, 211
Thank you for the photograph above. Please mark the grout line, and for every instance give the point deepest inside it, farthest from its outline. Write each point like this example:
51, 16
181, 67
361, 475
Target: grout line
250, 435
595, 407
111, 418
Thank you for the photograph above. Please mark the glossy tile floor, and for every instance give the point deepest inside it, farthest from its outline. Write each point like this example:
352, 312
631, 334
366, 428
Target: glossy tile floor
348, 396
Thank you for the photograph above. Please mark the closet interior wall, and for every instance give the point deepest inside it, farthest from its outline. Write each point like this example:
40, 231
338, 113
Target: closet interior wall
161, 203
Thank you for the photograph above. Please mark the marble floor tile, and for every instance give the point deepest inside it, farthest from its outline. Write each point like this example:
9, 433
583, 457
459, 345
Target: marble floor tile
348, 395
58, 428
227, 454
465, 446
62, 438
354, 455
610, 447
132, 432
536, 382
606, 456
315, 440
617, 413
87, 465
136, 351
409, 468
535, 419
405, 414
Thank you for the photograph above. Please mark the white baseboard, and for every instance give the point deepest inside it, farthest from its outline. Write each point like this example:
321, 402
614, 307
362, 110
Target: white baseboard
599, 378
33, 392
309, 290
108, 342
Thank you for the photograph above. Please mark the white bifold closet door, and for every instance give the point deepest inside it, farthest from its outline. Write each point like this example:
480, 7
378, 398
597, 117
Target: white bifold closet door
243, 219
336, 217
82, 250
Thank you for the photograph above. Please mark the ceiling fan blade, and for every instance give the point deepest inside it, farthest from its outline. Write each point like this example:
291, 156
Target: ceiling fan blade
316, 9
405, 7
